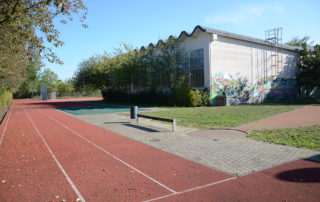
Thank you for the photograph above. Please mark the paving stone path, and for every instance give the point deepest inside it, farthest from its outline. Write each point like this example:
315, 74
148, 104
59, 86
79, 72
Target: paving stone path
236, 156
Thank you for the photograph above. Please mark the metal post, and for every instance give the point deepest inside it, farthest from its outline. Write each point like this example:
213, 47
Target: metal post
133, 112
174, 125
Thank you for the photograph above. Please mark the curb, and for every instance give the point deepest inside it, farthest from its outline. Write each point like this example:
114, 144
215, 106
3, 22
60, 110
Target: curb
5, 114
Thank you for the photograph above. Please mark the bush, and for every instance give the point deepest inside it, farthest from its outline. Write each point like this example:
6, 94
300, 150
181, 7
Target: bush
205, 97
195, 98
181, 97
5, 98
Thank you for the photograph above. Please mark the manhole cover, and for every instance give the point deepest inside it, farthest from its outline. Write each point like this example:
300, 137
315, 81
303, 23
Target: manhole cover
155, 140
217, 134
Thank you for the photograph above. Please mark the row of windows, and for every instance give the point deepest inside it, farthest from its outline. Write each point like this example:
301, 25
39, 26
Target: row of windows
195, 65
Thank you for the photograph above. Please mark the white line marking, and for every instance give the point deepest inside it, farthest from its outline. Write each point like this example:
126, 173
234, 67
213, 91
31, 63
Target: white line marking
5, 127
188, 190
113, 156
54, 157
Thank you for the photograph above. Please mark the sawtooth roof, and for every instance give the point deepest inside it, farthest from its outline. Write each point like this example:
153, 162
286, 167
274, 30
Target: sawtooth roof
225, 34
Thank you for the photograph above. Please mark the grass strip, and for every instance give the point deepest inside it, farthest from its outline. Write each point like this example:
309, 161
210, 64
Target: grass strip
221, 117
301, 137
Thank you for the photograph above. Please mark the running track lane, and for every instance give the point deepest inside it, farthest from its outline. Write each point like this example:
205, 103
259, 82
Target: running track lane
295, 181
99, 177
179, 174
28, 171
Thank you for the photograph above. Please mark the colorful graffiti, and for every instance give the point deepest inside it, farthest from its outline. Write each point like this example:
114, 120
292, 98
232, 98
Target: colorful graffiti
238, 87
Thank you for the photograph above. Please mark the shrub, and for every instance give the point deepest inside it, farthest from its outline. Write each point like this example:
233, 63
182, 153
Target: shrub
182, 97
5, 98
205, 98
195, 98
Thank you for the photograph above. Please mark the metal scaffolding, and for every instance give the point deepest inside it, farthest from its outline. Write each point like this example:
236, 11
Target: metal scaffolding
274, 66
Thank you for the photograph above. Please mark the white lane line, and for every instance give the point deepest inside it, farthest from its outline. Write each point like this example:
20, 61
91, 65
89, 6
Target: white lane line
5, 127
110, 154
192, 189
58, 163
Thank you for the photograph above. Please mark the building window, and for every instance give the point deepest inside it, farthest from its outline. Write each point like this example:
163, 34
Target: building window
196, 68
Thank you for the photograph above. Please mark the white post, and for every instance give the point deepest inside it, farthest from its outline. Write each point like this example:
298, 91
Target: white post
174, 125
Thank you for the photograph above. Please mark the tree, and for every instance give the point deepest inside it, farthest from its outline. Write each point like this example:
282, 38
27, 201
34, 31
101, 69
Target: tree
30, 84
296, 41
309, 67
50, 78
24, 26
169, 62
24, 17
64, 88
94, 73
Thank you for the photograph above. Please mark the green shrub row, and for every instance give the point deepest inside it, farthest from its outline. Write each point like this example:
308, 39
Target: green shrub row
181, 97
5, 98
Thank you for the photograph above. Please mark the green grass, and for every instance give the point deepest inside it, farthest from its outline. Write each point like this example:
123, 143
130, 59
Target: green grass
221, 117
302, 137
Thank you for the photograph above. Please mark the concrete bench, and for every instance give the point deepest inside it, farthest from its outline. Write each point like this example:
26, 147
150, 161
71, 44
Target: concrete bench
158, 119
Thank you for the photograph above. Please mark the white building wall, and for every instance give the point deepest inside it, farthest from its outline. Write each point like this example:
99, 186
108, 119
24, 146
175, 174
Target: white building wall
232, 60
250, 60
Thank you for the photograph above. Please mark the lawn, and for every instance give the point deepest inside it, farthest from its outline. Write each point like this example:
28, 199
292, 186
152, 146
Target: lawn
302, 137
221, 117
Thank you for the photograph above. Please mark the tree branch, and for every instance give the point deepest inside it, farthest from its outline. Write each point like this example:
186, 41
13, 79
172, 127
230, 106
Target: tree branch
12, 12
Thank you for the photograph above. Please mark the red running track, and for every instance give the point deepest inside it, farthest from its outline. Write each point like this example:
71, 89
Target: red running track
50, 156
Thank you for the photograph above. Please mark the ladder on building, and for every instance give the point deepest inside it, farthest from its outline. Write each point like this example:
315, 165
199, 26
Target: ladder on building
274, 61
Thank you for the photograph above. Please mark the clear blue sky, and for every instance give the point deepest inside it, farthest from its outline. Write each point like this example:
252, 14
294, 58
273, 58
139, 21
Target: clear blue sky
139, 22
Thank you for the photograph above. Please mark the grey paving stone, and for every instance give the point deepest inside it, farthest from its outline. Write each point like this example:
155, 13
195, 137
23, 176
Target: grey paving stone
235, 156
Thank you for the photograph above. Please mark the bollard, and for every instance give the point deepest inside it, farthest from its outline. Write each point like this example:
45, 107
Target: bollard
174, 125
133, 112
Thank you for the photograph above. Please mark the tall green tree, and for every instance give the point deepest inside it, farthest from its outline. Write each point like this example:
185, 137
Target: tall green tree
169, 62
30, 84
94, 73
29, 23
50, 78
309, 67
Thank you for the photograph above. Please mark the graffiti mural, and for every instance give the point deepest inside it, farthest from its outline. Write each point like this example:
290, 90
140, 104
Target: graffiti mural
264, 90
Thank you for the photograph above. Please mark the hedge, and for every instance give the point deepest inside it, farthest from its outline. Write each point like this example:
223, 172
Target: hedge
5, 101
181, 97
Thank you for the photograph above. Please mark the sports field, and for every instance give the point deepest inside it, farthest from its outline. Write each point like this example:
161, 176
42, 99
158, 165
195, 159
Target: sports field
47, 155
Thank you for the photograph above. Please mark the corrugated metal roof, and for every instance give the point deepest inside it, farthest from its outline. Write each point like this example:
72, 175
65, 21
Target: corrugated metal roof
227, 34
246, 38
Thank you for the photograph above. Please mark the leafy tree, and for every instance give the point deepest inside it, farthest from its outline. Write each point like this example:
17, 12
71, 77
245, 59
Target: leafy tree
296, 41
24, 26
64, 88
31, 84
50, 78
25, 16
169, 62
309, 67
151, 78
94, 73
